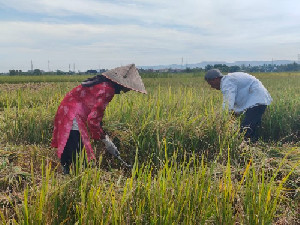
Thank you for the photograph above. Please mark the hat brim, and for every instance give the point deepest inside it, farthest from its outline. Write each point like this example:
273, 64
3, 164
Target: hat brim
128, 77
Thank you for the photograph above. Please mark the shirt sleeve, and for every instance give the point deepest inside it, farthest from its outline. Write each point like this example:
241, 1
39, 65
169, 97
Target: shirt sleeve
104, 96
229, 90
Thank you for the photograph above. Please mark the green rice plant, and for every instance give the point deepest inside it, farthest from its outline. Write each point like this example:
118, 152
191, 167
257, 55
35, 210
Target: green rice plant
43, 78
180, 120
224, 200
187, 101
179, 138
262, 194
187, 192
281, 120
170, 113
184, 111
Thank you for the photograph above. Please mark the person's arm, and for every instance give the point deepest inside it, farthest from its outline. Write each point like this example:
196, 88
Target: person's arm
96, 115
229, 91
104, 96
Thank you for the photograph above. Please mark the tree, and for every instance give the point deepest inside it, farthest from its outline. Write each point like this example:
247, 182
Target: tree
208, 67
15, 72
12, 72
234, 69
37, 72
59, 72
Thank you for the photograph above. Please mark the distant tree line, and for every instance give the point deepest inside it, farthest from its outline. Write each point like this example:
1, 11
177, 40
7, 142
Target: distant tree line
293, 67
20, 72
37, 72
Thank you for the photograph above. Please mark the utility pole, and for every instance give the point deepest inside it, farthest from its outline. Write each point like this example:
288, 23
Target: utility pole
31, 66
181, 62
48, 66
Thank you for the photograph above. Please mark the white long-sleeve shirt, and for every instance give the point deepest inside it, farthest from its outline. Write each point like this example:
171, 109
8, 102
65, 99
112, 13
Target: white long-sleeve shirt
242, 91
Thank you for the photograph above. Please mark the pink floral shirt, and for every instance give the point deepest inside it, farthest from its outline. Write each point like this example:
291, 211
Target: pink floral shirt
87, 105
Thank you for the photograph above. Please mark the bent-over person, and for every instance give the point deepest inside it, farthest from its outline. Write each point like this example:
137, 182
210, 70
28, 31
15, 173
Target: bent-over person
79, 116
242, 93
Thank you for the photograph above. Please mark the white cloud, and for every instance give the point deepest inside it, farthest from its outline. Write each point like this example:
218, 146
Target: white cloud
78, 42
147, 32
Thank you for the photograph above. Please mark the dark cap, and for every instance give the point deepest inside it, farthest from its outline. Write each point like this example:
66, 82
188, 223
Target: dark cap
212, 74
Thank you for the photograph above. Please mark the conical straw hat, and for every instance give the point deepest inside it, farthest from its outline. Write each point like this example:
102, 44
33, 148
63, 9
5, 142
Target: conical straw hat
127, 76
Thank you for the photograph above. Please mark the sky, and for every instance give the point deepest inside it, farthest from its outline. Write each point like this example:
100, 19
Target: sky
94, 34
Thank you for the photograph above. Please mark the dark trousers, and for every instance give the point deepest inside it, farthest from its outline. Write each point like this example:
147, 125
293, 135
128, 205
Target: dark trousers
251, 121
73, 147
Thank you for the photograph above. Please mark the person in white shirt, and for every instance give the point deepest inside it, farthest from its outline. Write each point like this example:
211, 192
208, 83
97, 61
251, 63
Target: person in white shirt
242, 92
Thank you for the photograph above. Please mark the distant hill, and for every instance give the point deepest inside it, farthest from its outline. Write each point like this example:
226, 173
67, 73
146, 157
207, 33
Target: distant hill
205, 63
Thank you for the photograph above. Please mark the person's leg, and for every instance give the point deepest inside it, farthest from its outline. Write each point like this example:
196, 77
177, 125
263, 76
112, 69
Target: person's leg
72, 148
252, 120
78, 145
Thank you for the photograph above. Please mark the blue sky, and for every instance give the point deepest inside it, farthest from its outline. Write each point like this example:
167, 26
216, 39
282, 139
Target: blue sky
105, 34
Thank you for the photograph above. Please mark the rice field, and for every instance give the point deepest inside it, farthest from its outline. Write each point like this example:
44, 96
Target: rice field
190, 163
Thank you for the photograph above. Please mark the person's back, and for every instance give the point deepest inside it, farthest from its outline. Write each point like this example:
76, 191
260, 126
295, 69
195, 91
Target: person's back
243, 91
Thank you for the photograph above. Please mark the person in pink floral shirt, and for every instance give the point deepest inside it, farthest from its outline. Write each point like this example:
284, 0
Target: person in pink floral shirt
79, 116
